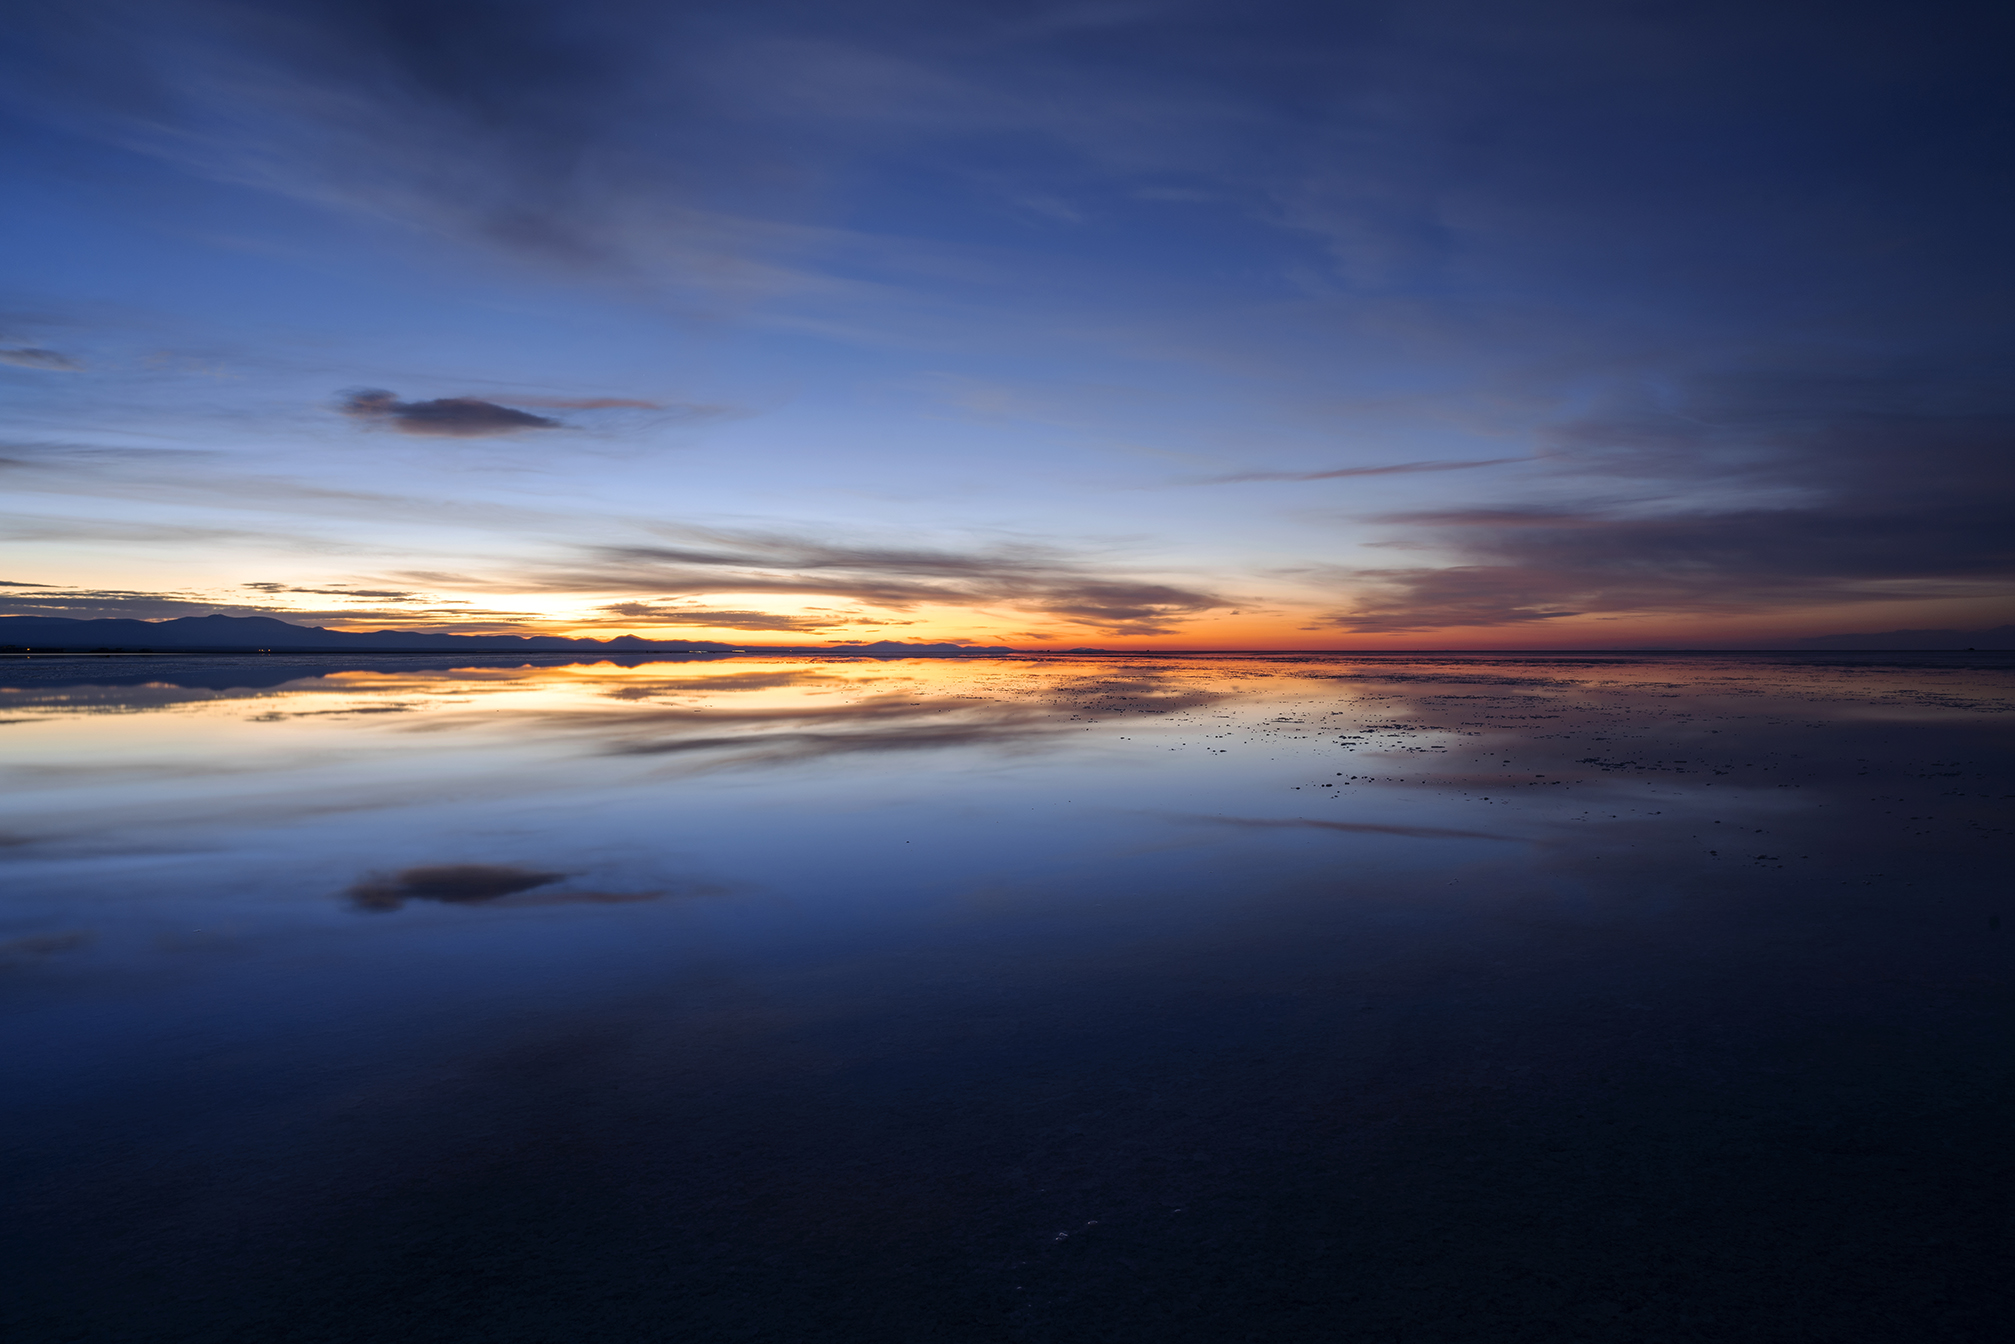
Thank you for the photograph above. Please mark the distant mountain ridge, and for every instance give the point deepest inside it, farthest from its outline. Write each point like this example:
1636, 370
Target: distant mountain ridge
223, 634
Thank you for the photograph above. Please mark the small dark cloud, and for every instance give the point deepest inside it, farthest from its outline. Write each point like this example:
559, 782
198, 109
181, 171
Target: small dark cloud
32, 357
451, 883
446, 417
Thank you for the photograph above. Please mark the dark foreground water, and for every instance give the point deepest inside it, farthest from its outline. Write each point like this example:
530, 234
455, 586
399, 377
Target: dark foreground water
1406, 999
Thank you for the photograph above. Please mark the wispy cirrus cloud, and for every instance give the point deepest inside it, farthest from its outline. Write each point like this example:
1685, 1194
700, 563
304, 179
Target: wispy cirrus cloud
409, 610
1026, 578
365, 594
204, 480
125, 604
1745, 493
645, 613
34, 357
1344, 473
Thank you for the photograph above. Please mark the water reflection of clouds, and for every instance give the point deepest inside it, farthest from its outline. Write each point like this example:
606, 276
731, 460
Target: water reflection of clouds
727, 683
33, 947
443, 791
805, 722
1346, 828
799, 709
366, 752
182, 687
322, 739
491, 884
800, 731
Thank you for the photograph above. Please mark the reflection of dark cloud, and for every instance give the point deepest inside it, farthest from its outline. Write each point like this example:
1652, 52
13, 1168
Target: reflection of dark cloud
492, 884
1348, 827
452, 883
35, 946
451, 417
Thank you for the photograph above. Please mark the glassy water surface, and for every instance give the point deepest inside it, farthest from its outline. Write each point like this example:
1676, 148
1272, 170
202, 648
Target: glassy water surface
1276, 998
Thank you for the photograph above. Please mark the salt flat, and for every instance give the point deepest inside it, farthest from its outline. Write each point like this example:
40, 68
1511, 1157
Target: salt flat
1506, 997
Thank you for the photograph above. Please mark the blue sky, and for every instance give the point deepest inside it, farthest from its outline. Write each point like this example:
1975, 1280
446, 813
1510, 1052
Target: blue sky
1180, 325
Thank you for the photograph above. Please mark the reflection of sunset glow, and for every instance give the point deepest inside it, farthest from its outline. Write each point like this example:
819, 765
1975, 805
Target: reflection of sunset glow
703, 713
625, 886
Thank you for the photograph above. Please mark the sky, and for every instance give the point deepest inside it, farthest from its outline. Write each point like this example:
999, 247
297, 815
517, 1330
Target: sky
1117, 325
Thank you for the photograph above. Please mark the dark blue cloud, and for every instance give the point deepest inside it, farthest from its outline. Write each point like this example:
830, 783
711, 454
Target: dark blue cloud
447, 417
1763, 490
34, 357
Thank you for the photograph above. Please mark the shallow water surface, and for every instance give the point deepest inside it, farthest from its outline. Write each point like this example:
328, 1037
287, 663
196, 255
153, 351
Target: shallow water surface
1436, 997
